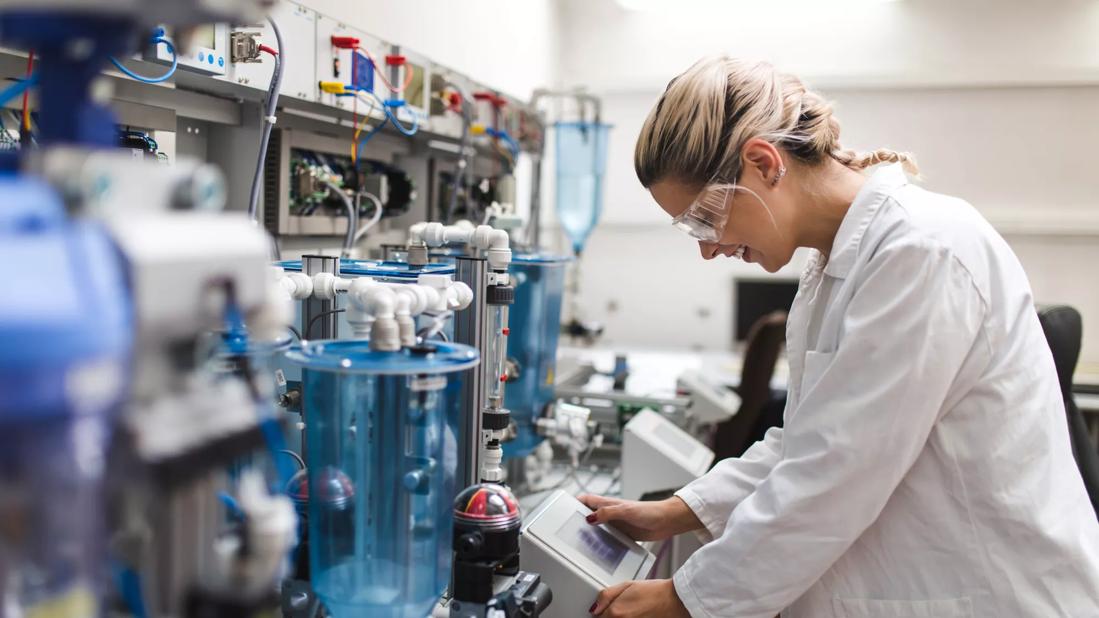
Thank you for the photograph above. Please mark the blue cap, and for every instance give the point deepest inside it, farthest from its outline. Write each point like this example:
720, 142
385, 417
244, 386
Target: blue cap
355, 356
379, 269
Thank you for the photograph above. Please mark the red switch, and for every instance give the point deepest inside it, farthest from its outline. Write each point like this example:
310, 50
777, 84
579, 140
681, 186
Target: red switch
345, 42
506, 331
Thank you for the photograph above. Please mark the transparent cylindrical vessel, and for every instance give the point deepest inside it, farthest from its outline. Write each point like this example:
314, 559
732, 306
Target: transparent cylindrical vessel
581, 162
535, 325
498, 353
381, 461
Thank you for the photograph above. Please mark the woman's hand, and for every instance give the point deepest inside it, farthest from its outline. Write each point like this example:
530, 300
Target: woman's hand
643, 521
637, 599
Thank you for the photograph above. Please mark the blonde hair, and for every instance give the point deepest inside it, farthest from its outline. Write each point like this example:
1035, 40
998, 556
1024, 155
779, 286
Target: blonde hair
696, 131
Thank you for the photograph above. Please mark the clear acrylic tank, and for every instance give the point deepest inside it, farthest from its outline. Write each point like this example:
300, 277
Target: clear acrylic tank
381, 473
535, 324
581, 162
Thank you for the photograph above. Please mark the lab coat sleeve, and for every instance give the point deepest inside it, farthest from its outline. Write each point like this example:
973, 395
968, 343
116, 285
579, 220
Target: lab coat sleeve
864, 417
715, 494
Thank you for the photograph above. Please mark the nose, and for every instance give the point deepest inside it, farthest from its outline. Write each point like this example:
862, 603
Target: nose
708, 249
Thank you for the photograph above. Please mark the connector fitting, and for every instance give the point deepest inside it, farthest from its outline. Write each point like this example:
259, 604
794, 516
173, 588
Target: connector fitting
244, 47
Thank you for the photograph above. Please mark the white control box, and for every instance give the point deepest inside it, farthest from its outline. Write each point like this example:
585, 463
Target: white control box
576, 559
711, 401
657, 455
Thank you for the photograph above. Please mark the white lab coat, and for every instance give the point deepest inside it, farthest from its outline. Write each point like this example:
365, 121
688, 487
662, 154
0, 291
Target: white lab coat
924, 470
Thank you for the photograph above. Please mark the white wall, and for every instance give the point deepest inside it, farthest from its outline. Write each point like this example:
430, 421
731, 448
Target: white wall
508, 44
836, 41
998, 101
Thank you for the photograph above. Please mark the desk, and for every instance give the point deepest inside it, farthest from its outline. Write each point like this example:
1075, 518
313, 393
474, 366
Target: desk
654, 372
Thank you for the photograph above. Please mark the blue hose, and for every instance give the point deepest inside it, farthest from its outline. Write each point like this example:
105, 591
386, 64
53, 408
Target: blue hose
16, 89
391, 118
152, 80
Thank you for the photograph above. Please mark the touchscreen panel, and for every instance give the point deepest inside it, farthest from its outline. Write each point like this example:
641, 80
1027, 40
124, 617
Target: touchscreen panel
594, 542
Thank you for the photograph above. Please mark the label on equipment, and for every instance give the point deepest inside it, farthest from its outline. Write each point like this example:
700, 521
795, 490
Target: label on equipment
280, 378
428, 383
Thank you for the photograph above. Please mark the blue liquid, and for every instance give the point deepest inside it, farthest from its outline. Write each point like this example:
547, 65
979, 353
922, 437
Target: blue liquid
581, 163
535, 323
577, 210
381, 476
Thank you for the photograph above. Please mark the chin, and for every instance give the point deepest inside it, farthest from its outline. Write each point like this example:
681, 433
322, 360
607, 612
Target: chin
772, 267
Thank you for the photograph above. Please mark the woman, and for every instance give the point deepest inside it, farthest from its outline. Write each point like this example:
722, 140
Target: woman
924, 469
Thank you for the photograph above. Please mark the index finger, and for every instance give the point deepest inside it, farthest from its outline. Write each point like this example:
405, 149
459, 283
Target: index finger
594, 502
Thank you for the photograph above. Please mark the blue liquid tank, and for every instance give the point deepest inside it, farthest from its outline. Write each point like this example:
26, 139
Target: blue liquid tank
535, 322
381, 473
581, 162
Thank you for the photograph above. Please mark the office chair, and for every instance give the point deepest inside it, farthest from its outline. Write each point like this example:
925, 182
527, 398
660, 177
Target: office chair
1064, 332
765, 341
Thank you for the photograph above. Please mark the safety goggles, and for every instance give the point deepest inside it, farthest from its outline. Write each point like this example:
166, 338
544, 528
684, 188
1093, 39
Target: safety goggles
706, 217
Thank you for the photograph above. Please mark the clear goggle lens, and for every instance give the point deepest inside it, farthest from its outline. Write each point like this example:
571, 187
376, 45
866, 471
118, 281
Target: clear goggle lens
706, 217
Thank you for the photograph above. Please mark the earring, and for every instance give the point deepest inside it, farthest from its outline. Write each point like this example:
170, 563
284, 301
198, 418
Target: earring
779, 175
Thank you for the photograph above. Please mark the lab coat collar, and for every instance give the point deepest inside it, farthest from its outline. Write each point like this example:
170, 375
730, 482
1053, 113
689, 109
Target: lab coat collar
873, 194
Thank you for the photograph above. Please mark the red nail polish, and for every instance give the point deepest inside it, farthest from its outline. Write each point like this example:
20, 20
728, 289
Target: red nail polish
591, 520
591, 610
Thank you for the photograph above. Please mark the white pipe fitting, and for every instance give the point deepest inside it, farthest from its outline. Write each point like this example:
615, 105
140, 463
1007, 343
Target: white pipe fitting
375, 305
494, 242
298, 286
406, 326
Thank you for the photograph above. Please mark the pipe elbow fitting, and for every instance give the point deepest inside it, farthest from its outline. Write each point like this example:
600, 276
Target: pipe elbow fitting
459, 296
416, 233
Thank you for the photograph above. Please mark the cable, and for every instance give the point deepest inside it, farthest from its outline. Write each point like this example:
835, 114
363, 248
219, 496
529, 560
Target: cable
377, 216
268, 50
295, 331
409, 73
26, 124
129, 588
309, 326
378, 127
502, 134
232, 505
297, 458
16, 89
463, 145
387, 108
359, 128
268, 119
352, 217
152, 80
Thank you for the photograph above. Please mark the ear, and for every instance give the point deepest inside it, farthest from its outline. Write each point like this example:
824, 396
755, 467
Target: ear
761, 160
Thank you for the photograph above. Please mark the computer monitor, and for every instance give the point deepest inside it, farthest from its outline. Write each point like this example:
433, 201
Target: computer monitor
755, 298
